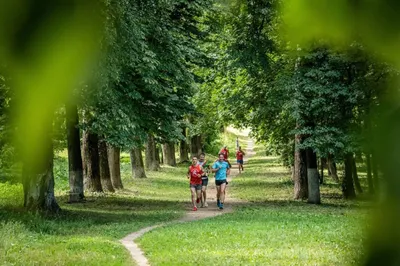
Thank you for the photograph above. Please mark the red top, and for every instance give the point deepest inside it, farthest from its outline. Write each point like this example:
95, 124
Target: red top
239, 155
195, 174
225, 152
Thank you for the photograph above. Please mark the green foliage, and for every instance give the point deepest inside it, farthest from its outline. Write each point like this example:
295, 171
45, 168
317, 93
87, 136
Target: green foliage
145, 82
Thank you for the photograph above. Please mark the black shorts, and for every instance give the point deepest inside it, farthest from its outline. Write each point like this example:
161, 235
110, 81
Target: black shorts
220, 182
204, 181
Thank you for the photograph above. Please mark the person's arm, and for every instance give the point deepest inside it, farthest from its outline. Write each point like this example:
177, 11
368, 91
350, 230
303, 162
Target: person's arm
188, 173
243, 153
201, 172
215, 168
228, 170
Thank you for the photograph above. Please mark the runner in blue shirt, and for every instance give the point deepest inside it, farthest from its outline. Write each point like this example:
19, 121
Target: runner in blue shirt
222, 170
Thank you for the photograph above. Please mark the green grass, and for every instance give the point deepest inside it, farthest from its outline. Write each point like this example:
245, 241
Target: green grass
271, 229
88, 233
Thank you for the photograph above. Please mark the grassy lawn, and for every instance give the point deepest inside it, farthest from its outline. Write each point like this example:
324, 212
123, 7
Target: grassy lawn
271, 229
87, 233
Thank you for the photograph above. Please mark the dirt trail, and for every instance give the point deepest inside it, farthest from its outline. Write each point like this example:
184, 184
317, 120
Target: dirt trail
211, 211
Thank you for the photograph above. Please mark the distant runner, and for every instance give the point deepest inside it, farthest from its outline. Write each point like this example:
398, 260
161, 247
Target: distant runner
195, 172
225, 152
239, 158
204, 179
221, 169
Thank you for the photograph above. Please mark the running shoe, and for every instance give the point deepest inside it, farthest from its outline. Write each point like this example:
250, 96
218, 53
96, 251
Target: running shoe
194, 208
198, 200
218, 203
221, 206
205, 204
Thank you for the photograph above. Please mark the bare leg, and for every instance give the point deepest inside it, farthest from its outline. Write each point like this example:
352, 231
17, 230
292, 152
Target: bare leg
239, 167
204, 195
218, 192
222, 192
193, 191
198, 194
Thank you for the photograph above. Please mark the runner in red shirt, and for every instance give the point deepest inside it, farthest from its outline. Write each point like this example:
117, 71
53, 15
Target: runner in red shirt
225, 152
195, 173
239, 158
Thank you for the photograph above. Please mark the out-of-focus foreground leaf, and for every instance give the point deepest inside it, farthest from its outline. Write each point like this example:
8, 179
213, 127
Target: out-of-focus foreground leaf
47, 47
376, 24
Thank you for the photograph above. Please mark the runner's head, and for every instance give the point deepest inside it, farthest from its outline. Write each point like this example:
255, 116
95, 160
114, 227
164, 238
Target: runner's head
221, 157
202, 157
194, 160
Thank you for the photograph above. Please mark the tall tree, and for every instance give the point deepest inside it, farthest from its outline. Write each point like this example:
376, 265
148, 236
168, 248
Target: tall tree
169, 154
183, 148
92, 179
114, 154
151, 159
75, 167
105, 176
300, 172
38, 181
137, 163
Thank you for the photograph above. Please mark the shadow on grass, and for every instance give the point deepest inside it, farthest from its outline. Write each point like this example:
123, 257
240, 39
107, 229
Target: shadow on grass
117, 215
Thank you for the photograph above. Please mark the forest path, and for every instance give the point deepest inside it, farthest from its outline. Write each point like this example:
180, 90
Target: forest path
211, 211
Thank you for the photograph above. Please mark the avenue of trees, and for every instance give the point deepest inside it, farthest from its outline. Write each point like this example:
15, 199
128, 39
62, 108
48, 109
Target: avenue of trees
171, 74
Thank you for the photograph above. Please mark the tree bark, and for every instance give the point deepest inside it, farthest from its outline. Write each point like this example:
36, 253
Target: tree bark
169, 154
38, 181
183, 149
195, 145
114, 164
92, 181
321, 176
347, 183
105, 176
369, 174
159, 160
332, 168
152, 163
75, 167
355, 176
314, 196
137, 163
300, 172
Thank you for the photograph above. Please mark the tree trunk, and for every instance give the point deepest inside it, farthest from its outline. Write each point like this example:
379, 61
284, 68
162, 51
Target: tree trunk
321, 176
347, 183
169, 154
375, 172
195, 145
152, 163
92, 181
355, 176
300, 172
332, 168
114, 164
314, 196
369, 174
183, 149
159, 160
75, 167
105, 176
38, 181
85, 156
137, 163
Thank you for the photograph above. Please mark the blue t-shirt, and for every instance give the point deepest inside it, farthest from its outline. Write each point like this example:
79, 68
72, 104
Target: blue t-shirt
221, 173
